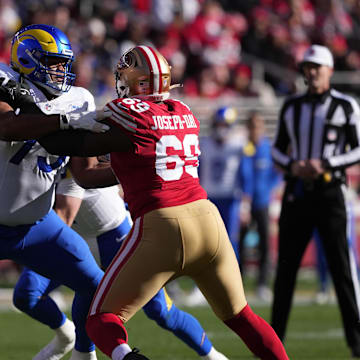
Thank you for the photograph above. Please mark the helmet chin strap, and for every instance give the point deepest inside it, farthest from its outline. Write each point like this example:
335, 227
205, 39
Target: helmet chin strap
50, 90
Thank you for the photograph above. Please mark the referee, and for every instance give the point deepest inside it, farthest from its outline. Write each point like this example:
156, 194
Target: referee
317, 139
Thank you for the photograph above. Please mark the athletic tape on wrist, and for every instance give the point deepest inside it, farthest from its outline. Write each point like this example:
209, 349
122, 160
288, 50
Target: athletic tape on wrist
64, 122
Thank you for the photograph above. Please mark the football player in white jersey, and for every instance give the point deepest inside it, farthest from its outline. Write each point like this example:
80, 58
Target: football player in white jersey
100, 217
219, 164
37, 98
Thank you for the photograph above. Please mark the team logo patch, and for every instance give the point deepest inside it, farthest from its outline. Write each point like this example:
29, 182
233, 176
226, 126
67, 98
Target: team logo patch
48, 107
332, 135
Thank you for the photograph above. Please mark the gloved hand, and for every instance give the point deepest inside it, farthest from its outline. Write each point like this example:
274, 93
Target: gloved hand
18, 94
79, 118
85, 120
103, 114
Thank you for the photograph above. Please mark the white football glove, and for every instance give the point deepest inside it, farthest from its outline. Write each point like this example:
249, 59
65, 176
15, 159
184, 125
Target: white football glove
103, 114
85, 120
79, 118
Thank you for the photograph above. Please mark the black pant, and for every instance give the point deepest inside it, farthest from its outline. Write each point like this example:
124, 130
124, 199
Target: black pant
303, 209
260, 217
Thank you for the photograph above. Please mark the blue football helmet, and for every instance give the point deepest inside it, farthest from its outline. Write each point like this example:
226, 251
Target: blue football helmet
31, 49
225, 115
222, 121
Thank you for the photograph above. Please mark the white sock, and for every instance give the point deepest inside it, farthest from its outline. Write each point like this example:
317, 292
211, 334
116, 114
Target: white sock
120, 351
66, 330
77, 355
214, 355
61, 344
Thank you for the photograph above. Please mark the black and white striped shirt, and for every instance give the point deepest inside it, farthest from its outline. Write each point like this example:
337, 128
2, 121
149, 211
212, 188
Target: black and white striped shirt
325, 127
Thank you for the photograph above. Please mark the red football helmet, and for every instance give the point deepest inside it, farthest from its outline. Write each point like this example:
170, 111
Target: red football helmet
143, 72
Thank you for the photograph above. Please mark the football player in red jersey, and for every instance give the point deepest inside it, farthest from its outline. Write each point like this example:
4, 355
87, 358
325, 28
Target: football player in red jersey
154, 148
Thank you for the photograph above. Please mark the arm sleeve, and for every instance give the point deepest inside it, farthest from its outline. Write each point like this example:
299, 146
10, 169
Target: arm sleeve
85, 143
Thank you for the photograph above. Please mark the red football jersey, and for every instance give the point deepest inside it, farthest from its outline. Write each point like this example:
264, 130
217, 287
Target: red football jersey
162, 169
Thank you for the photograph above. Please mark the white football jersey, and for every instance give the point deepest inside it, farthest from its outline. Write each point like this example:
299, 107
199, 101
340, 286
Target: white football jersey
101, 209
27, 171
219, 165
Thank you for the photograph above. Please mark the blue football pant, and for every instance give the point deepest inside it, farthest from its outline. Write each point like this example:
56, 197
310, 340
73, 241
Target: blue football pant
229, 211
55, 251
30, 296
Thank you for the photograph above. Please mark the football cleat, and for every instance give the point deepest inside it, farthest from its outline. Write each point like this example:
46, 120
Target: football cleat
135, 355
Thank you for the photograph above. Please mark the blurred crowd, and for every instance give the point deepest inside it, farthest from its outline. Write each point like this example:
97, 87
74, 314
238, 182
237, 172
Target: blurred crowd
211, 45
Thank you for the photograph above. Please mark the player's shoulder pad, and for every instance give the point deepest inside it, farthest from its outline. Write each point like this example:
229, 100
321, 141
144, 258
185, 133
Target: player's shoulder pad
80, 91
133, 105
122, 112
176, 102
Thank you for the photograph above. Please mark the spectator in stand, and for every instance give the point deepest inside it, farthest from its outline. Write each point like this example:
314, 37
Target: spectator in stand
302, 16
244, 85
204, 33
208, 84
242, 81
255, 41
280, 54
210, 41
258, 178
337, 44
62, 17
332, 18
354, 12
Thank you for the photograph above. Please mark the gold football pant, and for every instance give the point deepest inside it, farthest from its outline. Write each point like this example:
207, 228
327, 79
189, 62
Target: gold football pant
164, 244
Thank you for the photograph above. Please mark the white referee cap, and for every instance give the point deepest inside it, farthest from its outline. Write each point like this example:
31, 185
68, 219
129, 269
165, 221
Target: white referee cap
318, 54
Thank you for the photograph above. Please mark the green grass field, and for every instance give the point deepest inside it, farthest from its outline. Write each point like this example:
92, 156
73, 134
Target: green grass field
315, 332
